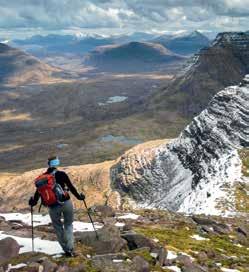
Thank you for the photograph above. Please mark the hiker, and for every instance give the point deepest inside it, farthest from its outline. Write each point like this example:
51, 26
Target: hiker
53, 187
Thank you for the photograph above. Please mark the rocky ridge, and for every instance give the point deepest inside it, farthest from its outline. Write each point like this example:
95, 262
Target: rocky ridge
223, 63
197, 170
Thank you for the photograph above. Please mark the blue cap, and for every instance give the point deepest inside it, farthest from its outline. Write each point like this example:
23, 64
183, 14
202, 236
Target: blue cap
54, 163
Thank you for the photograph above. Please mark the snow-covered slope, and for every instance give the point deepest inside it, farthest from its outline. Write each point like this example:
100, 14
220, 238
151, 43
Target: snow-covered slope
195, 172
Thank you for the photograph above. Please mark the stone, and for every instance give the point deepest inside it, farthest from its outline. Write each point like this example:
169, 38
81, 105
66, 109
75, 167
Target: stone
34, 267
203, 221
49, 266
79, 268
111, 262
109, 240
103, 211
161, 254
140, 265
193, 268
243, 230
63, 268
202, 257
9, 248
135, 241
184, 260
221, 229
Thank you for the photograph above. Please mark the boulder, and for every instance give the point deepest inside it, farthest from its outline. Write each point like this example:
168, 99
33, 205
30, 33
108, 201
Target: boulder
103, 211
9, 248
64, 268
161, 255
140, 265
34, 267
109, 240
49, 266
111, 262
202, 257
203, 221
184, 260
243, 230
135, 241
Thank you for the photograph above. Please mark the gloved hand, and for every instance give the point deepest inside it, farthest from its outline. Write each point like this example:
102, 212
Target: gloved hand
32, 202
82, 197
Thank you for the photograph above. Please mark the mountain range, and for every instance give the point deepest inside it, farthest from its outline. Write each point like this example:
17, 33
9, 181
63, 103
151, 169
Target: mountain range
42, 46
184, 44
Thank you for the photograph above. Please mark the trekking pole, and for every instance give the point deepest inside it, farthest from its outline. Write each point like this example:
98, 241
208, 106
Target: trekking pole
91, 220
32, 228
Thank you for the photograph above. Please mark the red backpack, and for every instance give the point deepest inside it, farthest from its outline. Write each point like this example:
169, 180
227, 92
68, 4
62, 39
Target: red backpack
45, 185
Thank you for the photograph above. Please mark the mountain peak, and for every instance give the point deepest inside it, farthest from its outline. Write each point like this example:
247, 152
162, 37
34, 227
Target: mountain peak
237, 39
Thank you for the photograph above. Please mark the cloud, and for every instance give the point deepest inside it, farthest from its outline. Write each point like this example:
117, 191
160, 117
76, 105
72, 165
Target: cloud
132, 15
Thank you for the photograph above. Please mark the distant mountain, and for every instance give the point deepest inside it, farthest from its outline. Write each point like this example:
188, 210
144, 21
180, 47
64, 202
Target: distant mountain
134, 37
133, 56
223, 63
58, 44
184, 44
18, 67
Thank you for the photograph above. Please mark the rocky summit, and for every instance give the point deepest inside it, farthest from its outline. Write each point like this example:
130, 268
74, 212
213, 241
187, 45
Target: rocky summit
197, 171
223, 63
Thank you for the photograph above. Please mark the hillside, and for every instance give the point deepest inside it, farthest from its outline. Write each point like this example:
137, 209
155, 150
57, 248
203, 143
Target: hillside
18, 67
185, 44
223, 63
131, 57
199, 172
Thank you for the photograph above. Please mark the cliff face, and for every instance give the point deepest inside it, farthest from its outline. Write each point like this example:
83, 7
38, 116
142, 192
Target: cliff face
225, 62
195, 171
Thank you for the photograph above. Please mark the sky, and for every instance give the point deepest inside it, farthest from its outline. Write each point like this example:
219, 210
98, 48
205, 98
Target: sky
22, 18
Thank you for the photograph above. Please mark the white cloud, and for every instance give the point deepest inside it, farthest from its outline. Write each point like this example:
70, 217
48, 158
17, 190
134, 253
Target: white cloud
134, 15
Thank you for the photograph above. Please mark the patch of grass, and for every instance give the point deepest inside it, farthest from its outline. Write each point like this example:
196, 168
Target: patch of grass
179, 239
242, 197
244, 155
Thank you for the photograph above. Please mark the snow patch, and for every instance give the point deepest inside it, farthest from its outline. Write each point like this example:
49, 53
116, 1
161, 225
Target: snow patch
205, 197
21, 265
173, 268
198, 237
44, 246
171, 255
229, 270
129, 216
25, 218
40, 220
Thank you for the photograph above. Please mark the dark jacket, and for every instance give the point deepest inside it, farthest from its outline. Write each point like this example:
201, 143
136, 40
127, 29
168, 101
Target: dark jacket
64, 181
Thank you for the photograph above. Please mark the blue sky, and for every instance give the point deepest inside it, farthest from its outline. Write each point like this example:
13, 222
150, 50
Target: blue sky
20, 18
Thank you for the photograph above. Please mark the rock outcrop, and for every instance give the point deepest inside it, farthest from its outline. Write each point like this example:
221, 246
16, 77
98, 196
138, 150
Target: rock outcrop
194, 172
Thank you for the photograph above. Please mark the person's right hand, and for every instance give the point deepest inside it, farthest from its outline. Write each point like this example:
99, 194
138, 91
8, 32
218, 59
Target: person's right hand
32, 202
82, 197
